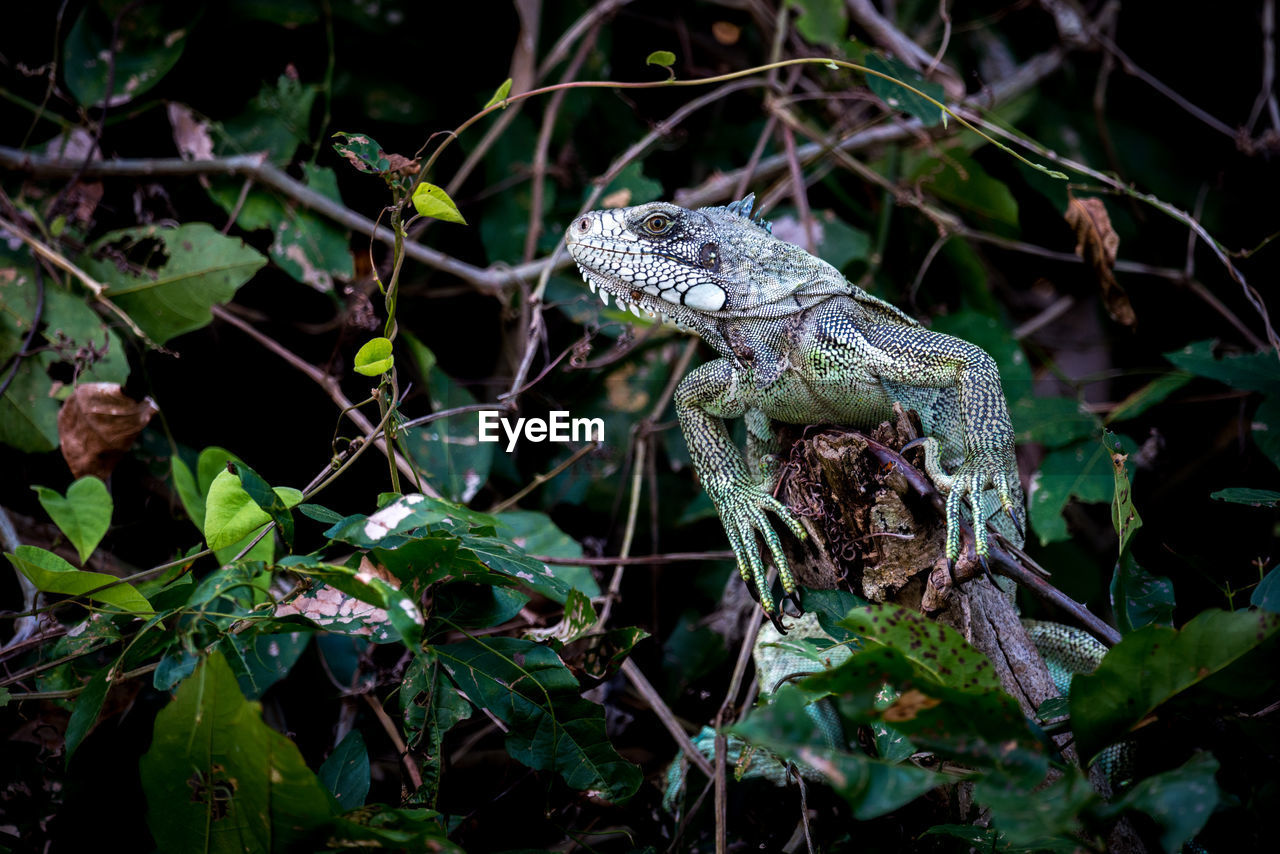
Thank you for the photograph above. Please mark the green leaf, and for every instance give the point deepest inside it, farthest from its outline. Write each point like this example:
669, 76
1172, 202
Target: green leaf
536, 533
362, 152
346, 772
145, 51
177, 664
663, 58
872, 787
218, 779
1249, 497
400, 517
446, 450
549, 725
500, 95
476, 606
1180, 800
831, 607
189, 492
231, 514
946, 696
578, 620
175, 275
1148, 396
211, 463
1139, 598
822, 22
1267, 594
940, 650
51, 574
83, 515
430, 200
28, 413
307, 246
29, 407
899, 98
1124, 516
275, 122
382, 828
1041, 820
1083, 472
430, 706
1266, 427
86, 710
959, 179
1250, 372
319, 513
271, 501
1154, 664
261, 660
1052, 421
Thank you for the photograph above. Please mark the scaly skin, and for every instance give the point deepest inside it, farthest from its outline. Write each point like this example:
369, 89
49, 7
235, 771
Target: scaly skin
799, 345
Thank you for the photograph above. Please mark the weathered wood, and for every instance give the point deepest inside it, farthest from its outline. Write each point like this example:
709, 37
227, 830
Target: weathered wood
869, 532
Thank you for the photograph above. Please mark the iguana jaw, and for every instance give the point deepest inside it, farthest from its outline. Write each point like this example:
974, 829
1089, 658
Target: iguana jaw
638, 302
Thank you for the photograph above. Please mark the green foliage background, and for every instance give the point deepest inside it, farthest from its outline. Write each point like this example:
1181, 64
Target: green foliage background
255, 634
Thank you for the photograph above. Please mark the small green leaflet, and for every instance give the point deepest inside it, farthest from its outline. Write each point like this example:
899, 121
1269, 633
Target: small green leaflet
374, 358
664, 58
501, 95
432, 201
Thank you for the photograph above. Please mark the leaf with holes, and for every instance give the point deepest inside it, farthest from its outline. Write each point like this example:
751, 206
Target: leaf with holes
217, 778
167, 279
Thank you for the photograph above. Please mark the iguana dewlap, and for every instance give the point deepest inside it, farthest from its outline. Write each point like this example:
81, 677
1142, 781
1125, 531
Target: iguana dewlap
799, 344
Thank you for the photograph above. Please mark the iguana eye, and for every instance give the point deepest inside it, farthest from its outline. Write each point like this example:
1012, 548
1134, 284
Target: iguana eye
657, 224
709, 256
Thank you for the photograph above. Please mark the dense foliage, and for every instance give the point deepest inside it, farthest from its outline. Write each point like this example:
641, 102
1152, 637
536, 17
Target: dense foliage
264, 262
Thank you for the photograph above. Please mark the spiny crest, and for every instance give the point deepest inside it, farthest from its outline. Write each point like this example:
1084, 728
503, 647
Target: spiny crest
743, 207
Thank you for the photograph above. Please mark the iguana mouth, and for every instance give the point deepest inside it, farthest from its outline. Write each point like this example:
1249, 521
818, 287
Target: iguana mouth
628, 297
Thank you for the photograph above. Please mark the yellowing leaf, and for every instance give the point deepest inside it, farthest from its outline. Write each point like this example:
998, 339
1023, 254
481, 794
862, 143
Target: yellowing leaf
231, 515
430, 200
374, 357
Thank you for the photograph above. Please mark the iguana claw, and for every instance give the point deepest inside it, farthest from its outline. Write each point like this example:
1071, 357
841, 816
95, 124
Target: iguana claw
742, 509
1017, 523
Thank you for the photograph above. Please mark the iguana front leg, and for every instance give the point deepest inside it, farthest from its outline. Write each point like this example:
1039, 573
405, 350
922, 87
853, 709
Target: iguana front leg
911, 356
704, 398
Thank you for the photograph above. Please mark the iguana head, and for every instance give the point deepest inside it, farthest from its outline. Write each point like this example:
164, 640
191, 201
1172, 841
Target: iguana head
697, 267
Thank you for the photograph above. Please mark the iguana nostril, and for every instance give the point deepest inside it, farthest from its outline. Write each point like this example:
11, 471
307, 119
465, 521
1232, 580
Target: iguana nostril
583, 224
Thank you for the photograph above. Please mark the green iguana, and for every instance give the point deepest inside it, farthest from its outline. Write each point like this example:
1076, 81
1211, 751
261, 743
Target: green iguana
801, 345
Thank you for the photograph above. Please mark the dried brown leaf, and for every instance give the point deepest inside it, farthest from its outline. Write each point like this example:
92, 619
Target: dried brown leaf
190, 135
97, 425
1097, 243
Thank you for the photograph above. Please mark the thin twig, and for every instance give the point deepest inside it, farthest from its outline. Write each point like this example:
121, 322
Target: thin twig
326, 382
659, 707
393, 733
95, 287
543, 478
